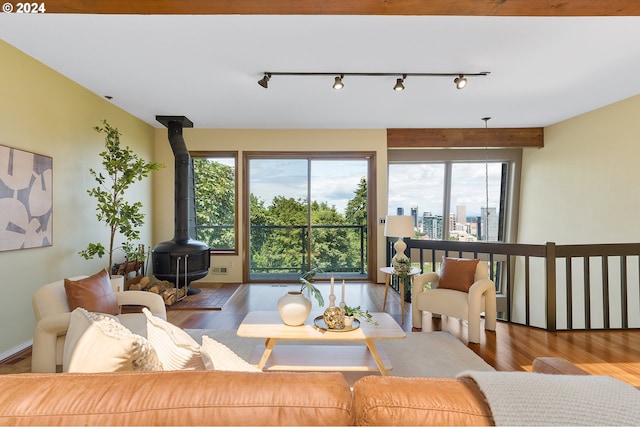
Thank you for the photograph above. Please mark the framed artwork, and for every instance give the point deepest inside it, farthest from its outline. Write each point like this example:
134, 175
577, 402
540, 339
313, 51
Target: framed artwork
26, 199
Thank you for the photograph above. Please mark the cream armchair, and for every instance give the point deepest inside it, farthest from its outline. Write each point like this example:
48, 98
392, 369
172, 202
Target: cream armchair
52, 314
449, 302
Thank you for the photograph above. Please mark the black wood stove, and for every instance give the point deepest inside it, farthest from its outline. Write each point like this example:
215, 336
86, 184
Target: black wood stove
183, 259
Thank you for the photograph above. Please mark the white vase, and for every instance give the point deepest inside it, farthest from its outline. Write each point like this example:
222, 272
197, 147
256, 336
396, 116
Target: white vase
294, 308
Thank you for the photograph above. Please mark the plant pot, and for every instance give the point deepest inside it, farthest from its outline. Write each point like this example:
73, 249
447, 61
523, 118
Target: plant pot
294, 308
348, 321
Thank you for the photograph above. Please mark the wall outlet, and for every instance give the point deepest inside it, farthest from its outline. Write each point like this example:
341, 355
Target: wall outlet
219, 270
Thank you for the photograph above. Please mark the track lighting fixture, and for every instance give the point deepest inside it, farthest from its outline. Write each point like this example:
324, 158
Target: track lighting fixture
337, 85
460, 81
399, 85
264, 82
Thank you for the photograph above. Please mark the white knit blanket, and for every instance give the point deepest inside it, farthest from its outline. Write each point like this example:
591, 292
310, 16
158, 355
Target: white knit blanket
523, 398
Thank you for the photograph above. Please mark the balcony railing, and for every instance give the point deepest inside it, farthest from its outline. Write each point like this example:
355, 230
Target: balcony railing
555, 287
352, 241
336, 248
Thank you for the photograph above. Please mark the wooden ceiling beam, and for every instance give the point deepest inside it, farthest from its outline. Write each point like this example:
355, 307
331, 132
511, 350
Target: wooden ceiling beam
465, 138
351, 7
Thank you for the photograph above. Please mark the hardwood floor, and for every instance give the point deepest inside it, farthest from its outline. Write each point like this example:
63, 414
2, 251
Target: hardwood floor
510, 348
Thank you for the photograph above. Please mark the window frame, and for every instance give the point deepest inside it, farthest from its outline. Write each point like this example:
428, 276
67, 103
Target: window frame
369, 156
511, 192
234, 156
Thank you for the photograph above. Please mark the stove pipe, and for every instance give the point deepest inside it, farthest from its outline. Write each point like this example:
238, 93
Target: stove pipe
183, 259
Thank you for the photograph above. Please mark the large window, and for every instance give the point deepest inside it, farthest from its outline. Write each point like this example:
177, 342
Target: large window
458, 195
215, 200
307, 210
474, 210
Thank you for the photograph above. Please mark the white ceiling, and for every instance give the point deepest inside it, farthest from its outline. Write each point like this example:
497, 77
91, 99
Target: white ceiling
206, 67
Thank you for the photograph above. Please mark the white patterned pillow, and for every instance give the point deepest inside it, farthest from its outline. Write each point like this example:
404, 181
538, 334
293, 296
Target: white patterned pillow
175, 348
97, 342
222, 358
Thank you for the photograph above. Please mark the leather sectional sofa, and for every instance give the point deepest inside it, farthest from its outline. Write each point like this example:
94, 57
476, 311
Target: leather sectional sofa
245, 398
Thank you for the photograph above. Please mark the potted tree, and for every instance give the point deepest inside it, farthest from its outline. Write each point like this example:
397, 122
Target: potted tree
122, 168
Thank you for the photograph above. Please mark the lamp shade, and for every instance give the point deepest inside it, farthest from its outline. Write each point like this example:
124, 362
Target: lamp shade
399, 226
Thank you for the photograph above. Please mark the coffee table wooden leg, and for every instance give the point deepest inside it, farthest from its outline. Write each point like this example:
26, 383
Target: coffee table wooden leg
376, 356
268, 348
386, 291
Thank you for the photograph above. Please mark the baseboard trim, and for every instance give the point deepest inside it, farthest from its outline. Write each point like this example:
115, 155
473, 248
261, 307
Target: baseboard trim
15, 351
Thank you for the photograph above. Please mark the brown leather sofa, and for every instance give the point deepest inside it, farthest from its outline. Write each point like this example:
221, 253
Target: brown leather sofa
433, 401
244, 398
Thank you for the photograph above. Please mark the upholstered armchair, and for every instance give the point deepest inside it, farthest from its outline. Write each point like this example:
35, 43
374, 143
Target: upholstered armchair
52, 313
462, 290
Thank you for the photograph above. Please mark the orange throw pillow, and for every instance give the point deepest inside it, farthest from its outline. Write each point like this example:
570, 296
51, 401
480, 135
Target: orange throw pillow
93, 293
457, 273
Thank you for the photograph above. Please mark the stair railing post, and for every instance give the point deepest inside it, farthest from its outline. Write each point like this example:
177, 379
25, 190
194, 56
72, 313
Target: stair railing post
550, 266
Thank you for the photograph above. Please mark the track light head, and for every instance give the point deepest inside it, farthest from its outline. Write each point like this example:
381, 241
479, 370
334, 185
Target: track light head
460, 81
264, 82
337, 85
399, 85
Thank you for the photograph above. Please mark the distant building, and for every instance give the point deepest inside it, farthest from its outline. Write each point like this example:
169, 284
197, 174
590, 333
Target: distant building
489, 221
432, 226
452, 222
414, 214
400, 211
473, 228
461, 219
462, 236
461, 214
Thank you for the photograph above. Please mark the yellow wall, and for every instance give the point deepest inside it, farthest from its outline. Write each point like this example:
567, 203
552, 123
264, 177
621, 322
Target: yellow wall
43, 112
582, 187
263, 140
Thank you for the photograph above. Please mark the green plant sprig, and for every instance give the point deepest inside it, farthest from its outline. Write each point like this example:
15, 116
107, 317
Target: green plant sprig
305, 281
358, 312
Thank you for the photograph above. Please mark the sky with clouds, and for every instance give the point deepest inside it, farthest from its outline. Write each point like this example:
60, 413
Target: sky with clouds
333, 181
410, 185
421, 185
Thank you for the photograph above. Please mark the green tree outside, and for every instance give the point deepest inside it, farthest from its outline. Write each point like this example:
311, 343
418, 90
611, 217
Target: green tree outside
278, 231
215, 202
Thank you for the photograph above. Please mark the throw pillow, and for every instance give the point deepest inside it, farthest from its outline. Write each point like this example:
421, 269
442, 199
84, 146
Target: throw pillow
176, 349
93, 293
97, 342
457, 273
222, 358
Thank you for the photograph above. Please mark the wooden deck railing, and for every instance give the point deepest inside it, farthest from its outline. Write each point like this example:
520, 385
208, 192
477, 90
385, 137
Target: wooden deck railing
555, 287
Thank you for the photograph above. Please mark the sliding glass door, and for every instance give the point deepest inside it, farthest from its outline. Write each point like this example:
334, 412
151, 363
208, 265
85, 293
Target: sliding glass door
306, 212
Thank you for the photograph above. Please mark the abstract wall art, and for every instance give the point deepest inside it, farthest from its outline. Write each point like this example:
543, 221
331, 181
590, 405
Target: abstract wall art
26, 199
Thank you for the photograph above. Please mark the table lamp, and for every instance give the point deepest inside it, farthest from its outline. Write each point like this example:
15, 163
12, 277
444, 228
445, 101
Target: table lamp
399, 226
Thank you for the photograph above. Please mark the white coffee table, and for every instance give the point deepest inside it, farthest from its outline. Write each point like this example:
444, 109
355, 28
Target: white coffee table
312, 353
